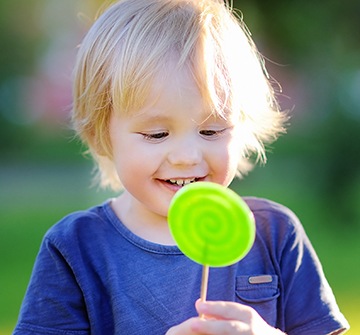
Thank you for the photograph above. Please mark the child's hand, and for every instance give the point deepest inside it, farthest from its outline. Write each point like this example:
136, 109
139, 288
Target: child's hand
224, 318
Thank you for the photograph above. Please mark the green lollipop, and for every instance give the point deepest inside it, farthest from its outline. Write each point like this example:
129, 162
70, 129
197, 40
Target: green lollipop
211, 224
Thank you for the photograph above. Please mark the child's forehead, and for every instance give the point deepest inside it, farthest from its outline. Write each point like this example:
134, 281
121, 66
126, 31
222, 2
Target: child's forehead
163, 107
171, 93
151, 116
177, 81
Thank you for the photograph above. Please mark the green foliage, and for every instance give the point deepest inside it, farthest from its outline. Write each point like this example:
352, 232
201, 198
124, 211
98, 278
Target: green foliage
21, 37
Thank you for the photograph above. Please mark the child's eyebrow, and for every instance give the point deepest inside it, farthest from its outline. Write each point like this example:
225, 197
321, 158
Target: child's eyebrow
144, 119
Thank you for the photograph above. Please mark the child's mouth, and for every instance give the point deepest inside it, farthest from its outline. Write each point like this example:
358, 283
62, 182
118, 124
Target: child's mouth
181, 182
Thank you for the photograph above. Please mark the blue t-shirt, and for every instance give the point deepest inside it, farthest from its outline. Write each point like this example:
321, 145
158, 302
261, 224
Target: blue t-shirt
94, 276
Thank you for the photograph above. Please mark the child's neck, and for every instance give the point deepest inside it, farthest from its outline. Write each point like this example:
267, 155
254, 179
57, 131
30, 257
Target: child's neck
143, 223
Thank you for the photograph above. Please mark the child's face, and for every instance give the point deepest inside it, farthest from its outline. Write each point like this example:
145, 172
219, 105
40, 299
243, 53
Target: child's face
171, 141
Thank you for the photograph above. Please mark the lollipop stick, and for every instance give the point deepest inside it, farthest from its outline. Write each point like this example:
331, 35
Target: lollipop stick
204, 284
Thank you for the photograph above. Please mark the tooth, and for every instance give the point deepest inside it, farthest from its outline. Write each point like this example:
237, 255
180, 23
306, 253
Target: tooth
181, 182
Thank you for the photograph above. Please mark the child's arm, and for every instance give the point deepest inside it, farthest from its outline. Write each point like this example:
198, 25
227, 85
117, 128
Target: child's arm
225, 318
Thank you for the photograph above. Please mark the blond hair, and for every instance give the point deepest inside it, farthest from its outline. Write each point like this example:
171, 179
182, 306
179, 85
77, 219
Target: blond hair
130, 43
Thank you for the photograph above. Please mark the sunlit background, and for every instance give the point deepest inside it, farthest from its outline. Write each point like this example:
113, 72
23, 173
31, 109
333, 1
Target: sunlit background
312, 49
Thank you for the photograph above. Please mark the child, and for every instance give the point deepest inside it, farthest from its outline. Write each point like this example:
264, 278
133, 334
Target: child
166, 93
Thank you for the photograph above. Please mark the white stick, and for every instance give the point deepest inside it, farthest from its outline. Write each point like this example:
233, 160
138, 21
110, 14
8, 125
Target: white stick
204, 284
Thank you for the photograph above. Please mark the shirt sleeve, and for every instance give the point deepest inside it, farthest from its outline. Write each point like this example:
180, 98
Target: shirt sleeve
309, 303
53, 303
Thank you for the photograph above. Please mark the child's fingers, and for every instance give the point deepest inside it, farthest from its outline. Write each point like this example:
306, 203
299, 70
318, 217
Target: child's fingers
188, 327
225, 317
223, 327
225, 310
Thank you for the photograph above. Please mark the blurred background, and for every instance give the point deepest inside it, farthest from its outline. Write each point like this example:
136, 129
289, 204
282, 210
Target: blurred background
312, 50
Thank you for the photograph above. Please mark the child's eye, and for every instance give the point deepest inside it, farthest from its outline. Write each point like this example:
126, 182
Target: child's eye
155, 136
211, 133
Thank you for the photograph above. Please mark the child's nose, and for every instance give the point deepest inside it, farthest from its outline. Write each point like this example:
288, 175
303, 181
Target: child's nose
185, 153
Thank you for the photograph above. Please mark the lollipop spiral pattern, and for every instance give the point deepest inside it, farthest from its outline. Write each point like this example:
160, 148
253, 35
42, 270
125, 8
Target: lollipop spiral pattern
211, 224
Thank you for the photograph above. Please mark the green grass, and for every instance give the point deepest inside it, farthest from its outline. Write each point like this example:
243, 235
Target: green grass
349, 305
33, 197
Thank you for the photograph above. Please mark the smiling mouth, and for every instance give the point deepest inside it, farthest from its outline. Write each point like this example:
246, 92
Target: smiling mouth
181, 182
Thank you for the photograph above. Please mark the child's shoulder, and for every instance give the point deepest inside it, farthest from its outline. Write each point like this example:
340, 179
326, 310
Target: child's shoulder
265, 205
272, 215
81, 223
